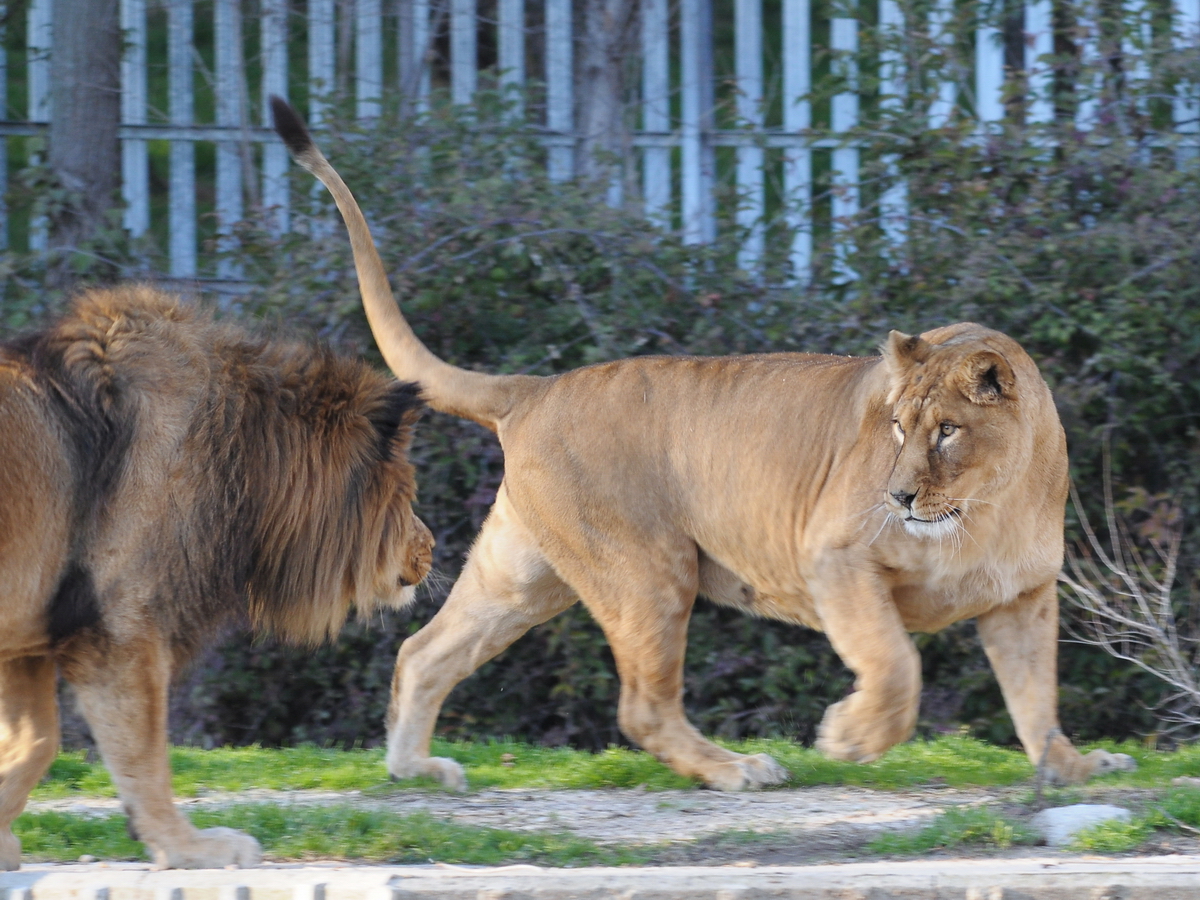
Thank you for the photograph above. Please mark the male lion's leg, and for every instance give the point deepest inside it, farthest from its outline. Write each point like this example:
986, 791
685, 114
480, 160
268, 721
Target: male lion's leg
122, 692
866, 631
506, 588
28, 740
1021, 642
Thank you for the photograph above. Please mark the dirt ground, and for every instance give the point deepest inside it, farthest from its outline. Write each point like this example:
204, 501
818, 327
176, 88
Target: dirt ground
699, 827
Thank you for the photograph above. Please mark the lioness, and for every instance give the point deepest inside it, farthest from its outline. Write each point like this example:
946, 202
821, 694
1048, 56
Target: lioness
865, 497
162, 474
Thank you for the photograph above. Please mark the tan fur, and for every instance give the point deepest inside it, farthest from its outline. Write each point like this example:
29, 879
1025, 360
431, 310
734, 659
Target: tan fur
775, 483
160, 475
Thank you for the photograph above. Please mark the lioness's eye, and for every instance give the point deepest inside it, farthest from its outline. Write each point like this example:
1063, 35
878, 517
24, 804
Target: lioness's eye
948, 429
897, 426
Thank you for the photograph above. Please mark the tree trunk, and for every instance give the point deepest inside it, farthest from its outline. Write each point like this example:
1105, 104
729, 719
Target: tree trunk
606, 41
85, 77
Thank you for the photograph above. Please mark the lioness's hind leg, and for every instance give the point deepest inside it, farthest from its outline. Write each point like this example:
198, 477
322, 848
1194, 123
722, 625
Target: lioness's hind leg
1021, 642
644, 614
28, 740
122, 691
506, 588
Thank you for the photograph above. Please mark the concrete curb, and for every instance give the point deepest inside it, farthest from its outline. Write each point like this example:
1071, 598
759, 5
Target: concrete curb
1158, 878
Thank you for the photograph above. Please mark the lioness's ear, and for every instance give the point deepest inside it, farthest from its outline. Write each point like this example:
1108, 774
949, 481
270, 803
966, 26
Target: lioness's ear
901, 350
396, 415
986, 378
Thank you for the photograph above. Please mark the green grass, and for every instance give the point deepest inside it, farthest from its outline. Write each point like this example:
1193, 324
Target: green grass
1112, 836
331, 832
343, 832
952, 760
953, 828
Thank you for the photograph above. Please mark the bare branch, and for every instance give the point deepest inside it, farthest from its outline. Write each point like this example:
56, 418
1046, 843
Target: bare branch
1125, 593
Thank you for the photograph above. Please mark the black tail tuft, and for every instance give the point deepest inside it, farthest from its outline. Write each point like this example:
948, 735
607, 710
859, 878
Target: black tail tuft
290, 127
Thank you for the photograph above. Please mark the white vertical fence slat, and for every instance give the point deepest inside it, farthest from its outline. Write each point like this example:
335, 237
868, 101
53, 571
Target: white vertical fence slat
559, 89
843, 33
464, 61
893, 203
510, 47
368, 59
748, 62
1039, 45
321, 58
797, 118
38, 36
182, 216
989, 71
1087, 25
1186, 102
656, 110
274, 81
135, 160
941, 16
37, 43
695, 121
227, 31
422, 38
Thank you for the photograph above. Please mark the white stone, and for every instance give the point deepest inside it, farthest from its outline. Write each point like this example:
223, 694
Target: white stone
1059, 825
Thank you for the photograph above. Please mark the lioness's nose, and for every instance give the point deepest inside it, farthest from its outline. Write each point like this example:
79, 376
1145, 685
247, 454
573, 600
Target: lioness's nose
903, 497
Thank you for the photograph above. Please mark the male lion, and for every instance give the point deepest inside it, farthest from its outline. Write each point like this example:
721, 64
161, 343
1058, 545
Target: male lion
162, 474
866, 497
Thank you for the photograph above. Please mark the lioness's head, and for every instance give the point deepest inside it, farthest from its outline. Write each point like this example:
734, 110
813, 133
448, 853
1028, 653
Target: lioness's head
967, 405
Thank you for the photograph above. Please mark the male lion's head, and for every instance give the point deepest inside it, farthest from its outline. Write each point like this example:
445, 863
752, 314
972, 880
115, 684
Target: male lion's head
967, 405
337, 527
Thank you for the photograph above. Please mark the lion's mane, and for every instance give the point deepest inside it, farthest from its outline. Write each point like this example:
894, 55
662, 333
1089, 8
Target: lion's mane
280, 475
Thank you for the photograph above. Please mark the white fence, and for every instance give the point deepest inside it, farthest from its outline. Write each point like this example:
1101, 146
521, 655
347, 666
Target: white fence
675, 50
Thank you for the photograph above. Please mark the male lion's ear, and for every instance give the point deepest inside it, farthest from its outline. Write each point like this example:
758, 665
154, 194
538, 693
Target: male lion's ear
395, 416
986, 378
901, 350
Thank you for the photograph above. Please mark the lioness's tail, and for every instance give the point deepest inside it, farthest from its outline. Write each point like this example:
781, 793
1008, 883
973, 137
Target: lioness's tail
473, 395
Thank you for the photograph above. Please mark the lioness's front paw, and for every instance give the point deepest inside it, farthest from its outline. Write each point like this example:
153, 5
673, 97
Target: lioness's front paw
212, 848
749, 773
844, 735
1112, 762
447, 771
10, 851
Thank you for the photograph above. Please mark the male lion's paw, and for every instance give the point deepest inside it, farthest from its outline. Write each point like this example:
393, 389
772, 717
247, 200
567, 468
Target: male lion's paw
748, 773
447, 771
10, 851
212, 848
1112, 762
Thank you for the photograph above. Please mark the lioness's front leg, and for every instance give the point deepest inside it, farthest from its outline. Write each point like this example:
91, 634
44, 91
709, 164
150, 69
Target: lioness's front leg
1021, 642
865, 629
122, 691
28, 740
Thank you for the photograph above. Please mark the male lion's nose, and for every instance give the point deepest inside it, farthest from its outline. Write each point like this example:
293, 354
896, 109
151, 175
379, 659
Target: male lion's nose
903, 497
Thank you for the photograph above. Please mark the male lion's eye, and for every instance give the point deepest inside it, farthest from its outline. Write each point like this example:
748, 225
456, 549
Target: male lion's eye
948, 429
